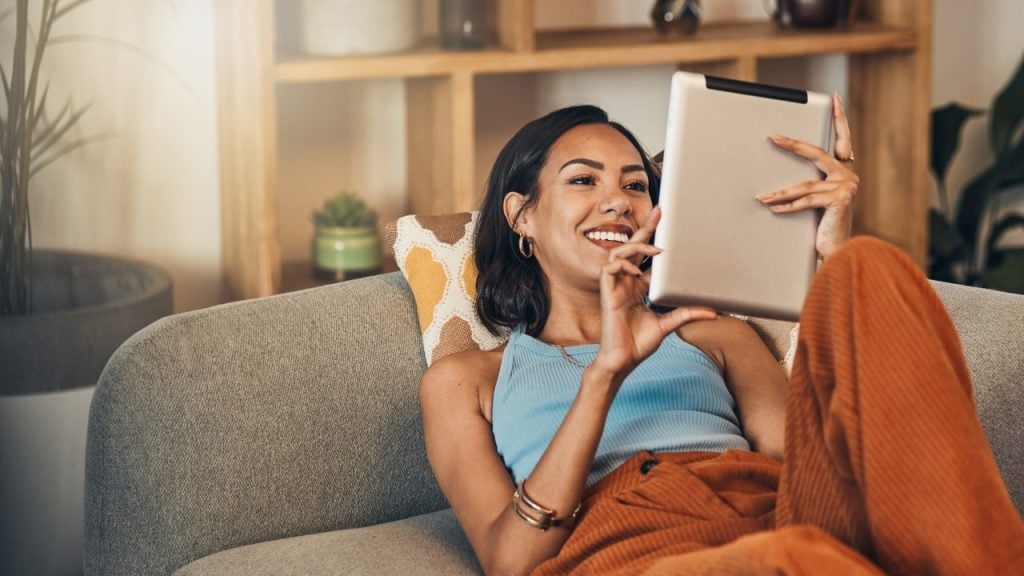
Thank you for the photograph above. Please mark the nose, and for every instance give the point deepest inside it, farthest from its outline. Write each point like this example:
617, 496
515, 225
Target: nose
615, 200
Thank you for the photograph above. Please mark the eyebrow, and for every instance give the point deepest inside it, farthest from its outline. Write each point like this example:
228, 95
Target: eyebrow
600, 165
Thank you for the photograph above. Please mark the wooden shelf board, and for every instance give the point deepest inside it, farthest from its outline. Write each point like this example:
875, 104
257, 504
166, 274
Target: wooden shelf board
577, 49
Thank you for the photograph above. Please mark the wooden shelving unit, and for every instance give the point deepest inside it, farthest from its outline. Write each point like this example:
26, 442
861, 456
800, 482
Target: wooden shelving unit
889, 49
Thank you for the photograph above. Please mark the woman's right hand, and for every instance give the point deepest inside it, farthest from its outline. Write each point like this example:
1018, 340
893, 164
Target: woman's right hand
630, 331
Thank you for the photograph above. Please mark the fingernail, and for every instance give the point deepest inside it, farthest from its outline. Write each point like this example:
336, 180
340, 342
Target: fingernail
774, 138
764, 196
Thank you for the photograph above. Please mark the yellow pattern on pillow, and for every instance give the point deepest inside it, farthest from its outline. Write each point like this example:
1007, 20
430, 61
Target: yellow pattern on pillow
424, 272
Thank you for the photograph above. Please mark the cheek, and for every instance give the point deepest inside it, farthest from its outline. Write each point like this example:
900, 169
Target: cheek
643, 210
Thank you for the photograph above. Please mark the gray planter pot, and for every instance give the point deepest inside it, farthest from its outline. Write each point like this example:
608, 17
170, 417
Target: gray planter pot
84, 307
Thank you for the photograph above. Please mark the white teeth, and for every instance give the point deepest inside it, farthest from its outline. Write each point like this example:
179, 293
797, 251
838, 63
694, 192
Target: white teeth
608, 236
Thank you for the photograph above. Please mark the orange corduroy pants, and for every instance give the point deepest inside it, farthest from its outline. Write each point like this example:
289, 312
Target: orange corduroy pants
887, 469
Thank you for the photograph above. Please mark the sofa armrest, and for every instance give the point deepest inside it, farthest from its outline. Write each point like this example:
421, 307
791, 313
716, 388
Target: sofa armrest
257, 420
991, 329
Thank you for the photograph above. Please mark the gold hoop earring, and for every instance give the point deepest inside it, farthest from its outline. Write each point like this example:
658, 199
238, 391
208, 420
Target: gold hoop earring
525, 247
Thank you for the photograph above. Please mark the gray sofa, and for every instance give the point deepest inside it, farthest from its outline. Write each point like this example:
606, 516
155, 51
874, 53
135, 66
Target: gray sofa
282, 436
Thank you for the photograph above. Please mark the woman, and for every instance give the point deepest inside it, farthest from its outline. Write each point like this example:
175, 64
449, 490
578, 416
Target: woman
607, 438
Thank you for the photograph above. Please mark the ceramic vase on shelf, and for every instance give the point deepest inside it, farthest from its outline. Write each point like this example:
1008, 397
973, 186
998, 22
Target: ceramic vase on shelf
346, 244
353, 27
342, 253
676, 16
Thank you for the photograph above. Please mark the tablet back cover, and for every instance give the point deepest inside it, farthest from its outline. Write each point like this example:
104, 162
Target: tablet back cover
722, 247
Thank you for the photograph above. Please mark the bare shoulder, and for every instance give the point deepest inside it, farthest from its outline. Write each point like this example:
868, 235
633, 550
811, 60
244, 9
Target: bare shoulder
717, 331
463, 368
717, 338
463, 379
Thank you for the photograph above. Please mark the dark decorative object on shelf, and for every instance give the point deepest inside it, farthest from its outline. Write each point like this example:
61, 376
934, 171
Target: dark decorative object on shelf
810, 13
463, 24
679, 16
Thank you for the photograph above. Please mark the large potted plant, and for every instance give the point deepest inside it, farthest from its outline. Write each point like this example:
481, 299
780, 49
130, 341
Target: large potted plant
965, 240
62, 314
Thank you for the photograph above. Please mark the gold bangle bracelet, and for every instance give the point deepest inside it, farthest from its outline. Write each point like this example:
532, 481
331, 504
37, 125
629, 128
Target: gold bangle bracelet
538, 516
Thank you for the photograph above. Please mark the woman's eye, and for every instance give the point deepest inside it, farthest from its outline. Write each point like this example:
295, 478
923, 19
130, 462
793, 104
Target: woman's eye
637, 185
582, 180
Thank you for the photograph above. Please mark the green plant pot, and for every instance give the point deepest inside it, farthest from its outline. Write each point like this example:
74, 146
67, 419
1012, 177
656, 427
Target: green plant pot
340, 253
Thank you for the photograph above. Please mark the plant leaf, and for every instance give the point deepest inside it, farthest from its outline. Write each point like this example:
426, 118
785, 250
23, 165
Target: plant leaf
945, 247
40, 108
944, 241
47, 127
59, 131
1007, 112
1009, 275
947, 125
1012, 169
67, 149
1008, 223
7, 85
971, 208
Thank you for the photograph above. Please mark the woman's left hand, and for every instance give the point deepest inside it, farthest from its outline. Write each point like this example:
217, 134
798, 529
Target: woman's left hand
834, 194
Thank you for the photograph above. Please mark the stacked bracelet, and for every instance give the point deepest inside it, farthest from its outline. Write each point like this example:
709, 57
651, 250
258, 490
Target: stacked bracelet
538, 516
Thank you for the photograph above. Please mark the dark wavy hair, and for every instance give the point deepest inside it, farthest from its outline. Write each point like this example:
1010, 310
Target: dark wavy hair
512, 290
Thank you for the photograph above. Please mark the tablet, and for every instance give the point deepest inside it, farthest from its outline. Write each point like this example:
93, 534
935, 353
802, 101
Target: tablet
722, 247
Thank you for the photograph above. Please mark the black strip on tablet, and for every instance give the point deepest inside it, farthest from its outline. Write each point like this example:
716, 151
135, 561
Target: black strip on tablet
755, 89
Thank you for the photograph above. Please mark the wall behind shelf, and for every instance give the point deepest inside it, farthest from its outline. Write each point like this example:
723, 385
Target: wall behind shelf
153, 192
342, 136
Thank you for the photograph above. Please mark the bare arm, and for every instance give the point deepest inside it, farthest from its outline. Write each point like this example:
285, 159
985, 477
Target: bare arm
755, 379
461, 450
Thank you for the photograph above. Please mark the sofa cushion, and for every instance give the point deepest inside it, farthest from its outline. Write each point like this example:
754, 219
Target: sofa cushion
435, 253
431, 544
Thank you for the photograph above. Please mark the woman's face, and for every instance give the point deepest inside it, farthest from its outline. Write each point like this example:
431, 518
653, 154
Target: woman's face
593, 195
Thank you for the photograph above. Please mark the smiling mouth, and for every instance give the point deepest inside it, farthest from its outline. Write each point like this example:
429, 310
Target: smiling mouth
606, 236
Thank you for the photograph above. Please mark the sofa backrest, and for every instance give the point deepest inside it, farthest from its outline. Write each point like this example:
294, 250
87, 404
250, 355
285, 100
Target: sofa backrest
991, 329
257, 420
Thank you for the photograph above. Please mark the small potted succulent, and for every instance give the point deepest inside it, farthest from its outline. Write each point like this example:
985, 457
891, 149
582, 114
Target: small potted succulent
345, 244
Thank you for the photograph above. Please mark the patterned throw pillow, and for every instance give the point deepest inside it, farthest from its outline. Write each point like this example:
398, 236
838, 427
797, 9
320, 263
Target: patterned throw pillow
435, 253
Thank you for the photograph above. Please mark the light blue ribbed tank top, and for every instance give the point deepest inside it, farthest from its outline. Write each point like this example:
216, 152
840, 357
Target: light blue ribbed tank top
675, 401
